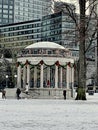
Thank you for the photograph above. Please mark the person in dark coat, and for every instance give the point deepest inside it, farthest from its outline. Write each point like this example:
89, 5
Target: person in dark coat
18, 92
3, 94
64, 94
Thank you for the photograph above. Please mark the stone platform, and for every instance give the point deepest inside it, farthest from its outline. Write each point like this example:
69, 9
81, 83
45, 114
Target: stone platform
38, 93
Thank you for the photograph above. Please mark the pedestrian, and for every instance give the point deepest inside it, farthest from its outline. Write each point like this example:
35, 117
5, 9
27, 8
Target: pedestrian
3, 94
48, 83
18, 92
64, 94
27, 88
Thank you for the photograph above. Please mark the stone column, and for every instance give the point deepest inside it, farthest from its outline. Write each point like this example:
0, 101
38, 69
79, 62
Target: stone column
56, 76
48, 77
67, 77
73, 91
35, 76
28, 75
24, 76
60, 77
70, 77
19, 76
41, 76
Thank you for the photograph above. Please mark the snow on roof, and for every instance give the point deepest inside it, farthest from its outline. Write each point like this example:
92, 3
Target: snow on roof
46, 44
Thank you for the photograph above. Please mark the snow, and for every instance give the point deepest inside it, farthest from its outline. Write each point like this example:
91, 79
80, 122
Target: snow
39, 114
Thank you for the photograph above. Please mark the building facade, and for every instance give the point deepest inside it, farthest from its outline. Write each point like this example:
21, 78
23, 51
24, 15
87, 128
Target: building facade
12, 11
26, 10
6, 11
57, 27
21, 34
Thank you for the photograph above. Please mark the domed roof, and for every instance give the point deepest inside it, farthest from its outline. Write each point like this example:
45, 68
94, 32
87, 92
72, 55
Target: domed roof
46, 44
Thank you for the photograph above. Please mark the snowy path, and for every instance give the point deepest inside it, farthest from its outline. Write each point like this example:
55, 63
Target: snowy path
49, 114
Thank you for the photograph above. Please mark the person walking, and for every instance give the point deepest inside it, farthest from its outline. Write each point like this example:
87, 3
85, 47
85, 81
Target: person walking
3, 94
18, 92
48, 83
64, 94
27, 88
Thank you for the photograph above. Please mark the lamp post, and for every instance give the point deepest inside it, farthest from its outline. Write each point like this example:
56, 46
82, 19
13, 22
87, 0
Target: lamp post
6, 80
15, 80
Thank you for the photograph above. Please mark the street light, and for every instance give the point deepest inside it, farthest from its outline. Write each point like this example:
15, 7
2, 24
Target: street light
15, 80
6, 80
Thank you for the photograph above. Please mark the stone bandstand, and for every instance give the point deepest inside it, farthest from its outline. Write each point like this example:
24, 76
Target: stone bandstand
47, 68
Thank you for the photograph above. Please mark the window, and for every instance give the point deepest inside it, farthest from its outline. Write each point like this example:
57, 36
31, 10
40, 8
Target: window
10, 11
10, 16
5, 6
6, 29
5, 11
11, 7
5, 16
11, 2
49, 52
5, 1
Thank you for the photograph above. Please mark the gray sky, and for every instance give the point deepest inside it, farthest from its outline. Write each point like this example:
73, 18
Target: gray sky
75, 2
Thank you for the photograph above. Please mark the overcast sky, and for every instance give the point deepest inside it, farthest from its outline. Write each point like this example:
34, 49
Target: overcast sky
75, 2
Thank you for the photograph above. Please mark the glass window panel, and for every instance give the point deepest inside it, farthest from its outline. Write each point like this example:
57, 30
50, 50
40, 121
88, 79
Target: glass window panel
10, 16
10, 11
5, 16
5, 6
11, 7
5, 11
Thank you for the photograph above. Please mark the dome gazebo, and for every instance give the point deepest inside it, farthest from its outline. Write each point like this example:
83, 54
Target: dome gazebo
48, 69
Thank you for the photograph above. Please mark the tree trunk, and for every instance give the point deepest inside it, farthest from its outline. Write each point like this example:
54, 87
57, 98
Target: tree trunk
97, 56
81, 93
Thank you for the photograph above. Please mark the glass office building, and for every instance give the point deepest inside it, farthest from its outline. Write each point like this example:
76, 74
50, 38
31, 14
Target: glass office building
12, 11
59, 28
6, 11
31, 9
56, 27
19, 35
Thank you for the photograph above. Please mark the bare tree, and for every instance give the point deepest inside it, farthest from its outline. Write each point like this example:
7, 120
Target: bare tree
85, 38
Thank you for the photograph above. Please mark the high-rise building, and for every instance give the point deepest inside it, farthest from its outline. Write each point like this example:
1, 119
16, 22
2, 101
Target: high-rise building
25, 10
12, 11
6, 11
57, 27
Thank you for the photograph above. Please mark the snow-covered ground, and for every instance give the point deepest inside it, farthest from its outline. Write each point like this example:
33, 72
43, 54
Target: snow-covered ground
34, 114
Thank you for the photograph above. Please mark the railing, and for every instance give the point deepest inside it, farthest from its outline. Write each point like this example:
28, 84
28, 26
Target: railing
40, 55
